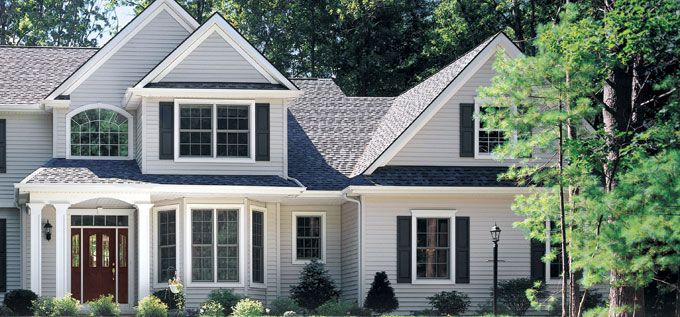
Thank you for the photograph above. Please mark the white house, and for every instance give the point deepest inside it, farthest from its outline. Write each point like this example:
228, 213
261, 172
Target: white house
179, 147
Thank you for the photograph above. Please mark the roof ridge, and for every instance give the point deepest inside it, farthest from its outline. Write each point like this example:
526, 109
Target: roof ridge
50, 47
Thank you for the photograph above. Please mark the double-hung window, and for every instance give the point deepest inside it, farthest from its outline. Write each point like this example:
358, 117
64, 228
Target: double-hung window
488, 139
309, 236
167, 245
216, 239
218, 130
433, 246
257, 245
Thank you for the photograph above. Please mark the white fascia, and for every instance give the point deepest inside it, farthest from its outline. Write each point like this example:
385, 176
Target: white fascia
157, 188
133, 96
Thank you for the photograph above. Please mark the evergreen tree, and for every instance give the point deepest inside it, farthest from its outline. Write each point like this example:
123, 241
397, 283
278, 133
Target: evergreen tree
315, 287
380, 297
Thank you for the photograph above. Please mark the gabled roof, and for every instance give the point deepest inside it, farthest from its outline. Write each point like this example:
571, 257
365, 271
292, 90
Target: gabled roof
412, 109
216, 24
119, 40
28, 74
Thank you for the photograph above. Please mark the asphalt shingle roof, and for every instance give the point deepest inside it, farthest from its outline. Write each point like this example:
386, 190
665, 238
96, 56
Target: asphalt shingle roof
29, 74
446, 176
63, 171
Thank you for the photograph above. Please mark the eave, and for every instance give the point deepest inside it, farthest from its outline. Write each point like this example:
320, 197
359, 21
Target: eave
133, 96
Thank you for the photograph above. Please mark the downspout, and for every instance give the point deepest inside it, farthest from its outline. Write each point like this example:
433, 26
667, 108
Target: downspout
360, 268
290, 178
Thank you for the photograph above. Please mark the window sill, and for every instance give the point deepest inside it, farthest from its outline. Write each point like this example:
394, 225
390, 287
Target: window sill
432, 281
245, 160
213, 284
553, 281
258, 285
484, 157
305, 262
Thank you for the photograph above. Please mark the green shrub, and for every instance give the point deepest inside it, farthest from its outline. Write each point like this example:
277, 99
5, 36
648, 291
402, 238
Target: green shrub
20, 301
289, 314
450, 303
225, 297
334, 308
283, 304
425, 312
172, 300
381, 298
151, 306
5, 311
50, 306
248, 307
512, 295
104, 306
315, 286
597, 312
211, 309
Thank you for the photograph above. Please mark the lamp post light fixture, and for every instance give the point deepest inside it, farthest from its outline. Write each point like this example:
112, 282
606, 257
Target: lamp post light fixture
495, 237
48, 230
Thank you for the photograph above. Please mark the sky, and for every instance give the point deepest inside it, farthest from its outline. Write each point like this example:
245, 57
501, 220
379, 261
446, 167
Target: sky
125, 15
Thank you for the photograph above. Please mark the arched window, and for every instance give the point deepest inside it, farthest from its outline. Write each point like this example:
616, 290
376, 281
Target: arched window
99, 132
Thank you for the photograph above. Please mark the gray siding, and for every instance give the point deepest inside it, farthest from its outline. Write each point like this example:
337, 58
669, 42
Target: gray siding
152, 165
379, 235
59, 132
139, 136
13, 242
350, 252
215, 60
29, 146
134, 60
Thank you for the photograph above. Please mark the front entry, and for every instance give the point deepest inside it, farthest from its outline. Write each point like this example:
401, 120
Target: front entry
99, 257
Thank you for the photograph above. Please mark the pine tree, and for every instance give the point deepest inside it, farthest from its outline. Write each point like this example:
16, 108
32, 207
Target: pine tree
315, 287
380, 297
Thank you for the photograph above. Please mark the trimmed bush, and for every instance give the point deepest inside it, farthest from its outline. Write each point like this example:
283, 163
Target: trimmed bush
450, 303
211, 309
172, 300
5, 311
334, 308
380, 297
20, 301
104, 306
248, 308
151, 306
225, 297
52, 307
282, 305
512, 295
315, 286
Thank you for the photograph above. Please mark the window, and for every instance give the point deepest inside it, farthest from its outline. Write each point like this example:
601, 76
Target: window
166, 245
217, 130
553, 243
257, 246
488, 139
99, 132
309, 236
215, 248
432, 249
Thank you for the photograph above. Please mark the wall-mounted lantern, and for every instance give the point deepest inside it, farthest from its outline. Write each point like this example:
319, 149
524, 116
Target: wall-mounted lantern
48, 230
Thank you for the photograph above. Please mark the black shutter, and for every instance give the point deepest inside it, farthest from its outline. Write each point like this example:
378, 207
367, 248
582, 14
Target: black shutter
166, 136
403, 249
537, 265
467, 130
262, 132
3, 146
3, 255
462, 249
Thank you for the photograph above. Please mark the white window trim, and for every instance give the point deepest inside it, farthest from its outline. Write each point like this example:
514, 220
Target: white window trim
154, 240
480, 102
297, 214
131, 137
214, 158
264, 247
548, 278
451, 215
241, 245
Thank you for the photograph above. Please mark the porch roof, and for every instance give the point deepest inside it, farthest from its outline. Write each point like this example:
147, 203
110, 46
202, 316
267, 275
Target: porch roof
65, 171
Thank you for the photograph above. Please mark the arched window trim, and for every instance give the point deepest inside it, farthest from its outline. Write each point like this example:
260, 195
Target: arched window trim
128, 116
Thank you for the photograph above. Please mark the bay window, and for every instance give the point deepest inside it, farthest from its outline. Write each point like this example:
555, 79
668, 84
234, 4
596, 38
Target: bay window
257, 246
167, 245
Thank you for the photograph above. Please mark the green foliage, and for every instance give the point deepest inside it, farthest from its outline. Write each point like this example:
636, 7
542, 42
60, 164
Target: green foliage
334, 308
211, 308
104, 306
512, 295
225, 297
381, 298
248, 308
53, 307
450, 303
315, 286
172, 300
283, 304
597, 312
151, 306
5, 311
20, 301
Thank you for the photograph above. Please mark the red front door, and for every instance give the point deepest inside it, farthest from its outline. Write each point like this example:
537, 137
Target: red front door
99, 263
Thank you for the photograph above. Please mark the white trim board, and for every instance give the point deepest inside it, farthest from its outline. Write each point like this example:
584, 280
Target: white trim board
154, 240
263, 210
118, 41
324, 245
501, 41
217, 24
441, 214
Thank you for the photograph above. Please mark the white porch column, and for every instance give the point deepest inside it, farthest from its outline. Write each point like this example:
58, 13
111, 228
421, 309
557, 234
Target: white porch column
36, 234
60, 234
144, 248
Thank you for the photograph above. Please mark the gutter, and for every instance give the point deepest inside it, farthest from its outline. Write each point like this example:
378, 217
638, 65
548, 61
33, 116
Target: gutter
409, 190
360, 269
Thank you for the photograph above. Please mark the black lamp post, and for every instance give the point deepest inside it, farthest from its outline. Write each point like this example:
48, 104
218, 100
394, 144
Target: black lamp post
495, 236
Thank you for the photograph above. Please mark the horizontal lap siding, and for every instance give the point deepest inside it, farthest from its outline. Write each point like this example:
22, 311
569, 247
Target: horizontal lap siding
13, 244
152, 165
129, 64
380, 244
139, 133
350, 249
214, 60
59, 132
